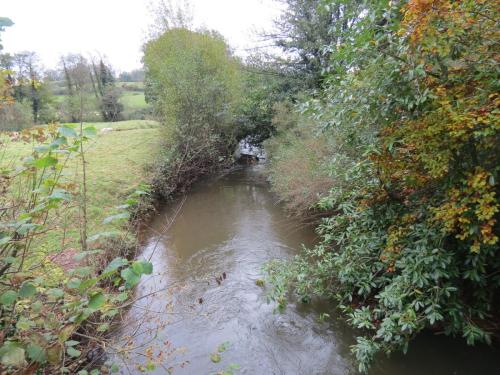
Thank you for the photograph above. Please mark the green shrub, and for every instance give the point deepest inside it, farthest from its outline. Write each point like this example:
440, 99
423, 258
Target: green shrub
410, 117
194, 84
15, 116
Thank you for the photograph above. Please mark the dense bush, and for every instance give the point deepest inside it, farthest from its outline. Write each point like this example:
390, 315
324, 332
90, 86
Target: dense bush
410, 107
299, 168
15, 116
194, 84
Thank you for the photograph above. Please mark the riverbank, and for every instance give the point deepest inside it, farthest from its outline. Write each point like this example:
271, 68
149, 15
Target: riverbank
207, 282
118, 161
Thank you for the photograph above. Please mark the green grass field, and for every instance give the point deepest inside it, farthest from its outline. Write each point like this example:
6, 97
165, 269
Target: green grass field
133, 100
116, 164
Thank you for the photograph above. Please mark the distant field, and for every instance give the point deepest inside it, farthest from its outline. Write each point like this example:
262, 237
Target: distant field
116, 165
132, 98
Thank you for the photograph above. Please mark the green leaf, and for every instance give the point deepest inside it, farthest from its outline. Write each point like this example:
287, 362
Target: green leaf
115, 264
25, 228
215, 357
58, 142
5, 240
47, 161
97, 236
121, 216
71, 343
90, 131
24, 324
87, 284
74, 283
36, 353
147, 268
82, 271
8, 297
122, 297
110, 313
12, 354
55, 293
223, 347
42, 148
115, 368
37, 307
66, 333
131, 278
142, 267
96, 301
72, 352
67, 131
103, 327
9, 260
54, 354
27, 290
59, 195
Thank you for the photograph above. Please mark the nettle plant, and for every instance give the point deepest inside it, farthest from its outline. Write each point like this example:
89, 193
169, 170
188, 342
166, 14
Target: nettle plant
48, 319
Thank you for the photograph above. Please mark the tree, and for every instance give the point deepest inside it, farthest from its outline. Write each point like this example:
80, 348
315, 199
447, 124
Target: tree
167, 16
265, 86
136, 75
28, 81
409, 109
105, 90
77, 75
309, 31
194, 83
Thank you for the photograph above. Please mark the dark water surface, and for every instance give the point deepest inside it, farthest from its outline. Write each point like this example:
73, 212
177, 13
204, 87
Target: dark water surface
232, 225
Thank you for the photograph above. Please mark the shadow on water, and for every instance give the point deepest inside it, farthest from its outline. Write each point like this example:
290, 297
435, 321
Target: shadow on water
206, 265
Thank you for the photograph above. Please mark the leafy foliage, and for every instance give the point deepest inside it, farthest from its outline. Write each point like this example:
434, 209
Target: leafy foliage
194, 84
44, 316
410, 107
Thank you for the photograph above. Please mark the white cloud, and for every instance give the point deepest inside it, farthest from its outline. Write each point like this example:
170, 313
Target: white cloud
117, 28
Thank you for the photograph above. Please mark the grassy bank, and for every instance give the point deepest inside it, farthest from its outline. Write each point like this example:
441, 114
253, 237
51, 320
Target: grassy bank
59, 295
117, 161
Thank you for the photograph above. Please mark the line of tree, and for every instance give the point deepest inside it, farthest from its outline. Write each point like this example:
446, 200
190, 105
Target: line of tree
34, 90
76, 70
194, 83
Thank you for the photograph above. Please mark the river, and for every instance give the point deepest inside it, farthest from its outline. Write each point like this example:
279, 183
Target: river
203, 295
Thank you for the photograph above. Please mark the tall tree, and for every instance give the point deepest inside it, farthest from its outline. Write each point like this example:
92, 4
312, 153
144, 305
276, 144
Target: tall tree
309, 31
28, 81
106, 91
194, 83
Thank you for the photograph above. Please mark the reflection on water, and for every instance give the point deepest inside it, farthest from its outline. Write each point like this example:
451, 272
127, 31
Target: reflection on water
230, 227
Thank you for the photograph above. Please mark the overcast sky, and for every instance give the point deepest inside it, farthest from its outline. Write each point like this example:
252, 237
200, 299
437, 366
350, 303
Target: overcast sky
117, 28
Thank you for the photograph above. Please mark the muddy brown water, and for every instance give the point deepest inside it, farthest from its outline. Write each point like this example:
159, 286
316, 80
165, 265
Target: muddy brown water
232, 225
